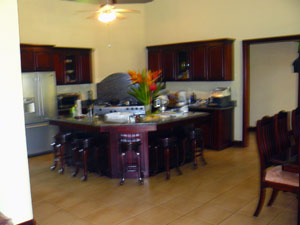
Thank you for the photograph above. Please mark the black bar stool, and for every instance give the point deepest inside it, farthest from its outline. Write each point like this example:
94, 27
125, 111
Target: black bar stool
130, 143
59, 150
170, 143
196, 143
82, 145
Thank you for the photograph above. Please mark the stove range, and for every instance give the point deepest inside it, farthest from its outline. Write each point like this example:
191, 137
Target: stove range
104, 109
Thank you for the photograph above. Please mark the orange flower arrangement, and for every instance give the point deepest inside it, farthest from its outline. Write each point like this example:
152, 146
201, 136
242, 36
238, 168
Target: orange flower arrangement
146, 85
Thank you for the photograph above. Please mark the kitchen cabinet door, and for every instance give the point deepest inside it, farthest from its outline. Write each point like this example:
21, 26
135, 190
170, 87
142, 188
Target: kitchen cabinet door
154, 59
44, 59
58, 59
85, 67
168, 64
199, 63
219, 61
183, 58
27, 60
215, 61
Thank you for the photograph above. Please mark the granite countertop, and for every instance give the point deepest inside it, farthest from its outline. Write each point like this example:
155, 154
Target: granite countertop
153, 120
207, 107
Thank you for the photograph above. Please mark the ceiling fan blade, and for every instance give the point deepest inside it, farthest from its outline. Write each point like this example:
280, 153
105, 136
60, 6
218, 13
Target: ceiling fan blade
111, 1
120, 16
84, 11
131, 1
126, 11
92, 17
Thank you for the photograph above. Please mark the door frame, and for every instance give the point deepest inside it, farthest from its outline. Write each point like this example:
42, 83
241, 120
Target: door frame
246, 77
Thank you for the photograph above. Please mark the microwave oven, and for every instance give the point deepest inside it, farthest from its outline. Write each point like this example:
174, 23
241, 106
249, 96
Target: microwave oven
67, 100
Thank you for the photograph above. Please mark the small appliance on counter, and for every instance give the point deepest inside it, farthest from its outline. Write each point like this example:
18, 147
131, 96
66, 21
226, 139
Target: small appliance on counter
220, 97
67, 100
161, 102
181, 98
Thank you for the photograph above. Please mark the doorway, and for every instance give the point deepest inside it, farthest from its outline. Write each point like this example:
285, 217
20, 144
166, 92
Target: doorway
246, 77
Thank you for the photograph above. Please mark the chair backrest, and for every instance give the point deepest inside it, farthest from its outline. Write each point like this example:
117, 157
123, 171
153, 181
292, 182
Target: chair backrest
282, 131
266, 141
296, 123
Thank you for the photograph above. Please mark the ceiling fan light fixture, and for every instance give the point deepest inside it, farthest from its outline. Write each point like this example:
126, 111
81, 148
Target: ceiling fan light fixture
107, 17
107, 14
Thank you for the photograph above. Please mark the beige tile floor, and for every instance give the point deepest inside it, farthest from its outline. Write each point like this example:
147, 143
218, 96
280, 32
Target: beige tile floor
224, 192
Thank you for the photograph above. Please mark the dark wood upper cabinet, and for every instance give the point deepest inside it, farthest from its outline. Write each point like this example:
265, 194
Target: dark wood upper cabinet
210, 60
36, 58
72, 66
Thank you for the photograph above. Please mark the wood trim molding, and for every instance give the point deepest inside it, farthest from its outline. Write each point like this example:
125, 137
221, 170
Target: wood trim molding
295, 37
237, 144
251, 129
246, 76
246, 92
29, 222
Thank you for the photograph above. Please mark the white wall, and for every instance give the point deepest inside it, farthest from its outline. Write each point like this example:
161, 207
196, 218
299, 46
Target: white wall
172, 21
15, 197
61, 23
273, 84
160, 22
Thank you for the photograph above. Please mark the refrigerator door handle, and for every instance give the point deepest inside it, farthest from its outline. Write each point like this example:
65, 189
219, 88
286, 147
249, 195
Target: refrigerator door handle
42, 100
38, 95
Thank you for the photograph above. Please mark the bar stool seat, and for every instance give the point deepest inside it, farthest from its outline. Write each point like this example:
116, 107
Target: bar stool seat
130, 143
59, 153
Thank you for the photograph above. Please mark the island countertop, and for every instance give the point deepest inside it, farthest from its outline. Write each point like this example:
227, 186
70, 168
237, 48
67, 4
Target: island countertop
158, 120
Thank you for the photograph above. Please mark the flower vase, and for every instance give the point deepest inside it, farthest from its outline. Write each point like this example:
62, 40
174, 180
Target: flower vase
148, 109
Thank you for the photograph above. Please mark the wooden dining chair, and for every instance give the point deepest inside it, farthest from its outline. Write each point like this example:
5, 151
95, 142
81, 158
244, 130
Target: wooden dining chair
282, 134
272, 175
296, 123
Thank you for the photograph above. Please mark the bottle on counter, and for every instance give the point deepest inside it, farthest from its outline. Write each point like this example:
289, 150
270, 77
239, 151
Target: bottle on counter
73, 111
78, 108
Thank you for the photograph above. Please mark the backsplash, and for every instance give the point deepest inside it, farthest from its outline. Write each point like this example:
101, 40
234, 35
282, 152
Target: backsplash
78, 88
201, 89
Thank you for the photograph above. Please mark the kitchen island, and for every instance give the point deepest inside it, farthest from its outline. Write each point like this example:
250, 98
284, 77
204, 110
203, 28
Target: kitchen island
113, 131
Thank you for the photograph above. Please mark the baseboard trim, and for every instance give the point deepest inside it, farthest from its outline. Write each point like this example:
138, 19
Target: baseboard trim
251, 129
29, 222
237, 144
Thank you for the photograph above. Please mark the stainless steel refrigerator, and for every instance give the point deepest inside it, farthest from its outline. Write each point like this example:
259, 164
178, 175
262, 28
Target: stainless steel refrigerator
40, 103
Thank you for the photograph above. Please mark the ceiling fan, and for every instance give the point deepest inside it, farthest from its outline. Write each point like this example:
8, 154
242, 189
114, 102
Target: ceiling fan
107, 12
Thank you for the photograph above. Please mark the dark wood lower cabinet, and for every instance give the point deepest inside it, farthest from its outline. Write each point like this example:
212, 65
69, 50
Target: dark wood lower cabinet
218, 134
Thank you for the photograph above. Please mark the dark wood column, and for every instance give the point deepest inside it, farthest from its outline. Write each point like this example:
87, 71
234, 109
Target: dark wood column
299, 78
